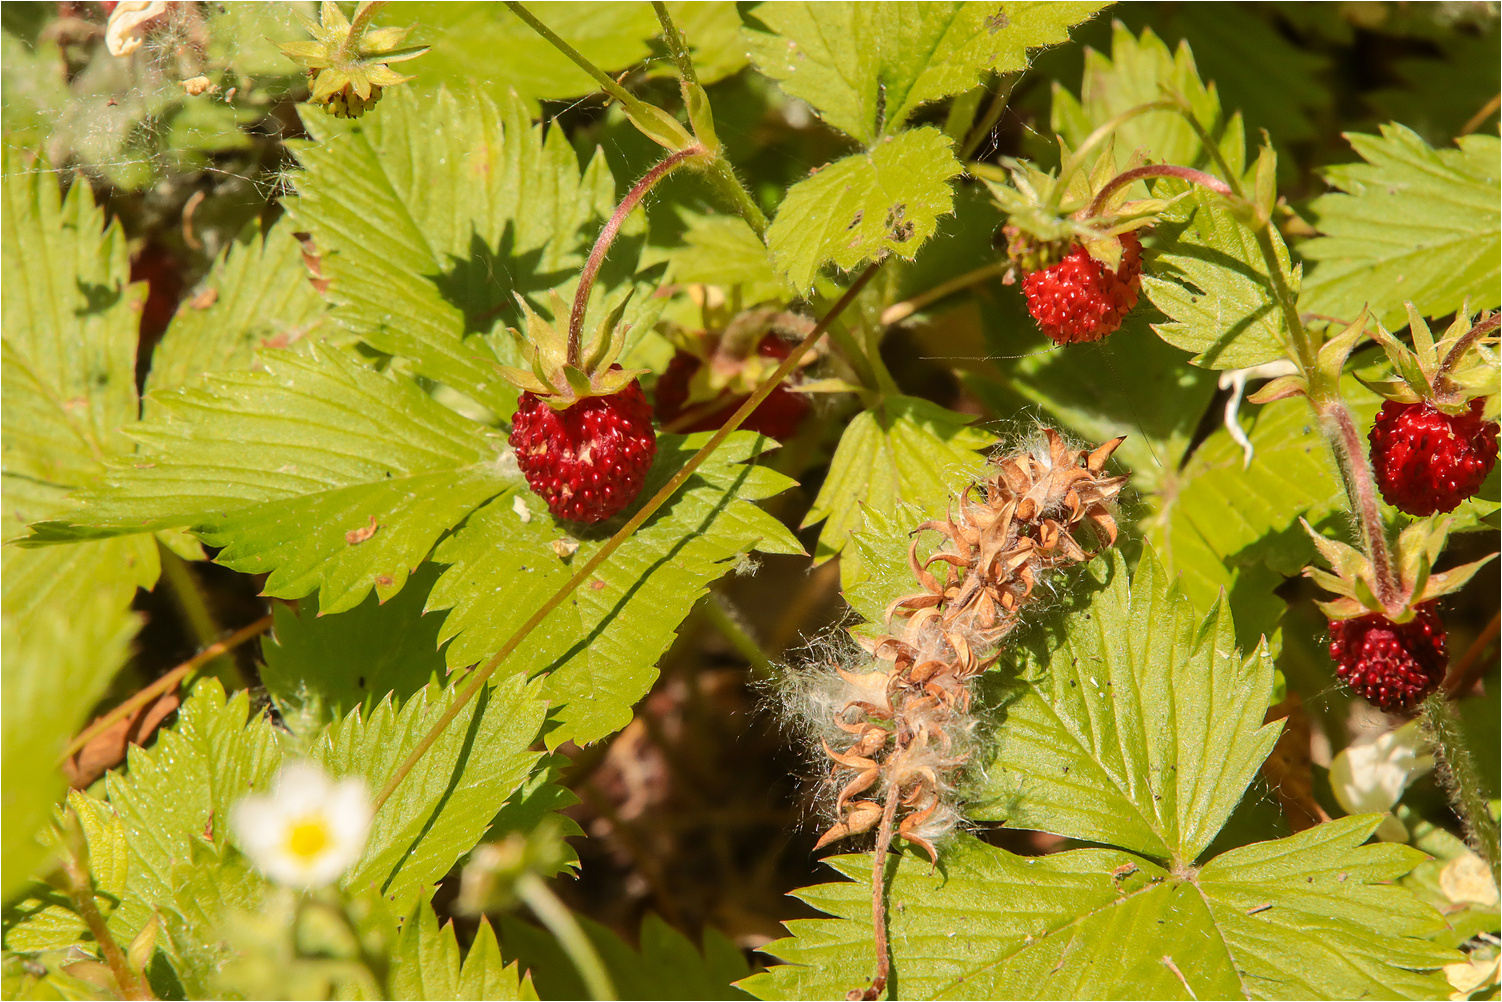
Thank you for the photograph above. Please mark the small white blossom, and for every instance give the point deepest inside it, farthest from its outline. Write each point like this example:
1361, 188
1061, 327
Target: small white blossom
1372, 776
308, 830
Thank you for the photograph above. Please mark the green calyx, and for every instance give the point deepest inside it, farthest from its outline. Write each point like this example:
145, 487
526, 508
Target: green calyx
1353, 579
348, 62
1047, 215
1448, 373
556, 377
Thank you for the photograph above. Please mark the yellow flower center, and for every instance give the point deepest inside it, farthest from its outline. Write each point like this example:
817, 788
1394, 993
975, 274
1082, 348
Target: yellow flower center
307, 838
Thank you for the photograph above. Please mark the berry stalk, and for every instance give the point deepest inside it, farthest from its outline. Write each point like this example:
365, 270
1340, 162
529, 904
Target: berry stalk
607, 237
482, 674
1460, 777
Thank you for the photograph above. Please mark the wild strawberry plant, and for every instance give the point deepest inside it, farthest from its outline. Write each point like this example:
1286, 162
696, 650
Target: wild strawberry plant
345, 616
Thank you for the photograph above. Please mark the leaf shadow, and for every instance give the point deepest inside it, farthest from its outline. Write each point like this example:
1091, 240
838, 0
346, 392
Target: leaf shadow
97, 298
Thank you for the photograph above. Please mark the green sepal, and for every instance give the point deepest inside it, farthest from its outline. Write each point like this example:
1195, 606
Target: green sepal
609, 339
522, 379
660, 127
1279, 389
1407, 362
700, 116
1331, 360
1265, 186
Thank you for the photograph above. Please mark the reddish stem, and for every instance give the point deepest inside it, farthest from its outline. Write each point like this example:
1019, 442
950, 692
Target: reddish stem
878, 902
1189, 174
1367, 506
607, 237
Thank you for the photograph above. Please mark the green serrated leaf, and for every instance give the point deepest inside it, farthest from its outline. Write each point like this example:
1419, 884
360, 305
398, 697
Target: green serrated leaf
903, 450
443, 806
1411, 223
258, 295
1211, 281
1140, 70
1095, 923
425, 963
866, 206
353, 478
867, 67
601, 646
432, 215
667, 964
1142, 728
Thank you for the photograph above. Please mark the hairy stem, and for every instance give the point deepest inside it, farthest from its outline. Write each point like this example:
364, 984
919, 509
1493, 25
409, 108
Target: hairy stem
1460, 777
482, 675
675, 43
561, 923
607, 237
879, 900
131, 983
722, 175
167, 682
1361, 491
1125, 178
998, 106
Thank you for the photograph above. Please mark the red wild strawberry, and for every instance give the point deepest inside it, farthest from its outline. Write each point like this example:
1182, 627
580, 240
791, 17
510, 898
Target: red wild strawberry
778, 417
1392, 666
1078, 299
1428, 461
589, 460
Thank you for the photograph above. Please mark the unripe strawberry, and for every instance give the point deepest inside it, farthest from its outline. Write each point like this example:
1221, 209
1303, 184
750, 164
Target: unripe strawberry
589, 460
1079, 299
1428, 461
1393, 666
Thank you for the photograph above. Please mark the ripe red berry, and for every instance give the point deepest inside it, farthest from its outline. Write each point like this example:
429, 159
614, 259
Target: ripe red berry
1428, 461
589, 460
1392, 666
778, 416
1077, 299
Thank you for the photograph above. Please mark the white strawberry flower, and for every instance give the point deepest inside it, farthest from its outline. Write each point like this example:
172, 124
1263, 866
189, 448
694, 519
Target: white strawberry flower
1371, 776
308, 830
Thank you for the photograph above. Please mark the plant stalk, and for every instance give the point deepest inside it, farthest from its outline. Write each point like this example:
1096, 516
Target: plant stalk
1361, 491
167, 683
901, 311
131, 983
607, 237
191, 603
615, 90
561, 923
745, 645
482, 675
1459, 776
879, 901
673, 38
1077, 157
1125, 178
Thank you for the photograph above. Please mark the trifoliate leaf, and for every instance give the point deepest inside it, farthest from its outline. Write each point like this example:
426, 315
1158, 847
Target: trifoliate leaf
258, 295
353, 476
327, 665
1309, 916
1411, 223
425, 963
865, 206
1141, 729
1212, 282
602, 644
667, 964
1141, 70
431, 216
903, 450
74, 649
867, 67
